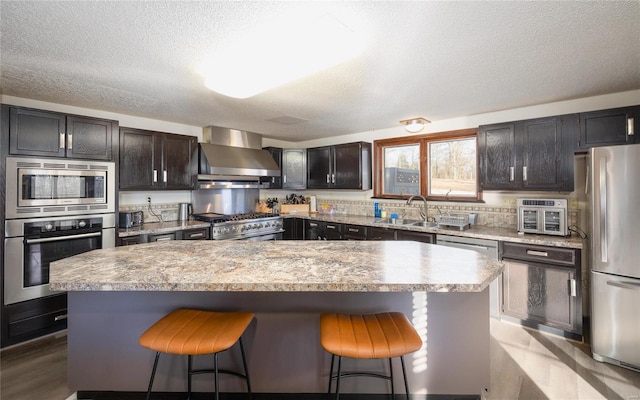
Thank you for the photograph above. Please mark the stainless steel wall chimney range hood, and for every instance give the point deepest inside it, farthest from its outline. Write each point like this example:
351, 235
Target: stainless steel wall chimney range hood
233, 158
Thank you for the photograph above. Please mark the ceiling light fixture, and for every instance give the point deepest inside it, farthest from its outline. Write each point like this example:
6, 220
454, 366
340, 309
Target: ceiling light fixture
279, 53
414, 125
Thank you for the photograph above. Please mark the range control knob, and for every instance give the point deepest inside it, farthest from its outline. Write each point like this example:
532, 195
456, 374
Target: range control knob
48, 226
82, 224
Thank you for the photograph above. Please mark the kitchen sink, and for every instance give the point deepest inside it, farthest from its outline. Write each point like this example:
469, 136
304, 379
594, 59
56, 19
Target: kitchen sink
425, 224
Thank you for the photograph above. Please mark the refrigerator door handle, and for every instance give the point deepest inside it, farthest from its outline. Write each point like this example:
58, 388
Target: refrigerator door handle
586, 181
604, 242
624, 285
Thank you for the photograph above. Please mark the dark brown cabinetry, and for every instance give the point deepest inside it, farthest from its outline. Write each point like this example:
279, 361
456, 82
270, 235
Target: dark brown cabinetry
423, 237
186, 234
354, 232
33, 318
293, 229
542, 286
293, 168
609, 127
156, 161
46, 133
345, 166
528, 155
322, 230
380, 233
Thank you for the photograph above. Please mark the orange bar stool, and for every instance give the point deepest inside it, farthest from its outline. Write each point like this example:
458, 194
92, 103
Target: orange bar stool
368, 336
197, 332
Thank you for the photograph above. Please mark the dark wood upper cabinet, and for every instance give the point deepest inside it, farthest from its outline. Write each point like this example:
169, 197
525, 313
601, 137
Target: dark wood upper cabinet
497, 156
528, 155
609, 127
344, 166
51, 134
152, 160
546, 145
294, 169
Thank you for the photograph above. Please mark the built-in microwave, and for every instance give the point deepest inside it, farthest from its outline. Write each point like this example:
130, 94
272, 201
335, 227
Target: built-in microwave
46, 187
543, 216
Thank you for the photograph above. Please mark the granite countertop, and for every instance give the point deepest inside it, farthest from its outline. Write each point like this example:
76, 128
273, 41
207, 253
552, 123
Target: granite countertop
161, 227
476, 231
300, 266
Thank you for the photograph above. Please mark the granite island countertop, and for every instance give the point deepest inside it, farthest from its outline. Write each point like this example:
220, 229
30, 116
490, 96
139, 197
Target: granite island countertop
284, 266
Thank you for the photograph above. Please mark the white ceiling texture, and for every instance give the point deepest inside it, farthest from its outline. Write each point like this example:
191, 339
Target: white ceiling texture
436, 60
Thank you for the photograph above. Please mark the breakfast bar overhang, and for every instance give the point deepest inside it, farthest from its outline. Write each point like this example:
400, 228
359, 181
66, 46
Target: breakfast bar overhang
115, 294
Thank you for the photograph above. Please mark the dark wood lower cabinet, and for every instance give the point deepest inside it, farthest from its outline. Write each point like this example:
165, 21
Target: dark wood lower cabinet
33, 318
377, 233
542, 287
293, 229
423, 237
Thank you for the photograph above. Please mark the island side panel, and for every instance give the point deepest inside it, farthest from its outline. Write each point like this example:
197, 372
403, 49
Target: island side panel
282, 344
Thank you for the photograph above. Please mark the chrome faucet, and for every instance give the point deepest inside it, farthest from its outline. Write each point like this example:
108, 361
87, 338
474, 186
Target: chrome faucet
423, 214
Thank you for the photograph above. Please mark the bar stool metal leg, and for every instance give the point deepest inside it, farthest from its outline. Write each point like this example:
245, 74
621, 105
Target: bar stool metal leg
338, 377
393, 393
246, 370
153, 374
404, 374
189, 374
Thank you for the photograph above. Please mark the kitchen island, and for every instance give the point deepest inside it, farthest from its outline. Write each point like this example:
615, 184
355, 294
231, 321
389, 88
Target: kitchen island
115, 294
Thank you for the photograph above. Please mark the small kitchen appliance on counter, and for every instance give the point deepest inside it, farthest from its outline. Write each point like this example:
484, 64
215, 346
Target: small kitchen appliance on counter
129, 219
543, 216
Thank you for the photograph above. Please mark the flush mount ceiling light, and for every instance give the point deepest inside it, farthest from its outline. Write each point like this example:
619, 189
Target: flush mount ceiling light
414, 125
278, 53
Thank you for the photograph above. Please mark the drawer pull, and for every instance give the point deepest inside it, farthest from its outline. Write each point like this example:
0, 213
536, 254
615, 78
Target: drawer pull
331, 227
537, 253
195, 235
60, 317
354, 230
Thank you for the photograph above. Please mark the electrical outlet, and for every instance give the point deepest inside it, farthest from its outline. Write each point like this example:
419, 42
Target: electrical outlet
149, 199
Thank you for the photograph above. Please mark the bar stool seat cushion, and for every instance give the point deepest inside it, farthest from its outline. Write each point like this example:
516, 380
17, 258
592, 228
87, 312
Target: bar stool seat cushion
195, 332
382, 335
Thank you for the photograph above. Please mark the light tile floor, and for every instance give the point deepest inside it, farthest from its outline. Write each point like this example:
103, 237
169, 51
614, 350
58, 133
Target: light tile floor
525, 365
528, 365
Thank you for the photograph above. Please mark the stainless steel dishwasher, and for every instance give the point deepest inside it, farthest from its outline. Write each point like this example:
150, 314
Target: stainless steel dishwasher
483, 246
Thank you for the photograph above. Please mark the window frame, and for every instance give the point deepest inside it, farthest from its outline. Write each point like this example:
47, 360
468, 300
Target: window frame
423, 141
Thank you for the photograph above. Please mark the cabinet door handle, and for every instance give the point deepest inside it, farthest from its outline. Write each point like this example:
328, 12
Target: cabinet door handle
284, 179
155, 175
573, 289
328, 178
61, 142
333, 178
630, 131
512, 174
70, 142
164, 175
524, 174
537, 253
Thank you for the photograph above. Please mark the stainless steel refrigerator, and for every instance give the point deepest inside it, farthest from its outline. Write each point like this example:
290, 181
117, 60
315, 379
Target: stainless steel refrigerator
614, 197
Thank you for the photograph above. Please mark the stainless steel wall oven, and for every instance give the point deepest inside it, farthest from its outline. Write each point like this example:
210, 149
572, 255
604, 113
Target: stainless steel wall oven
32, 244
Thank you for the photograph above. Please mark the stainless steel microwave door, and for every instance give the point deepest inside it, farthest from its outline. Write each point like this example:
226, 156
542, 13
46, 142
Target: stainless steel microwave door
615, 200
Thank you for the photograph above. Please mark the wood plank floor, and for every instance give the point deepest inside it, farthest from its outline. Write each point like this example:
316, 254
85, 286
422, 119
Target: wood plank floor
525, 365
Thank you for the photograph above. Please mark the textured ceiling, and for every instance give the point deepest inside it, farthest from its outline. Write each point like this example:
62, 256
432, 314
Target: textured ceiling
437, 60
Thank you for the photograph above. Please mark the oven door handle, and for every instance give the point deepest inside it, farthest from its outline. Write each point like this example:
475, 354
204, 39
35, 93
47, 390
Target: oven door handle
61, 238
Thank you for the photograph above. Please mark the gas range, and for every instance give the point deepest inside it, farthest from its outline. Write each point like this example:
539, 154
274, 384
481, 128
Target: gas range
245, 226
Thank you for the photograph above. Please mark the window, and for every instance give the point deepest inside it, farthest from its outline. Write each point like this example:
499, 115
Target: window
439, 166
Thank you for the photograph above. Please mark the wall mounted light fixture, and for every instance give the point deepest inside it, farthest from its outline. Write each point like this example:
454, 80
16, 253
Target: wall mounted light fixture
414, 125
